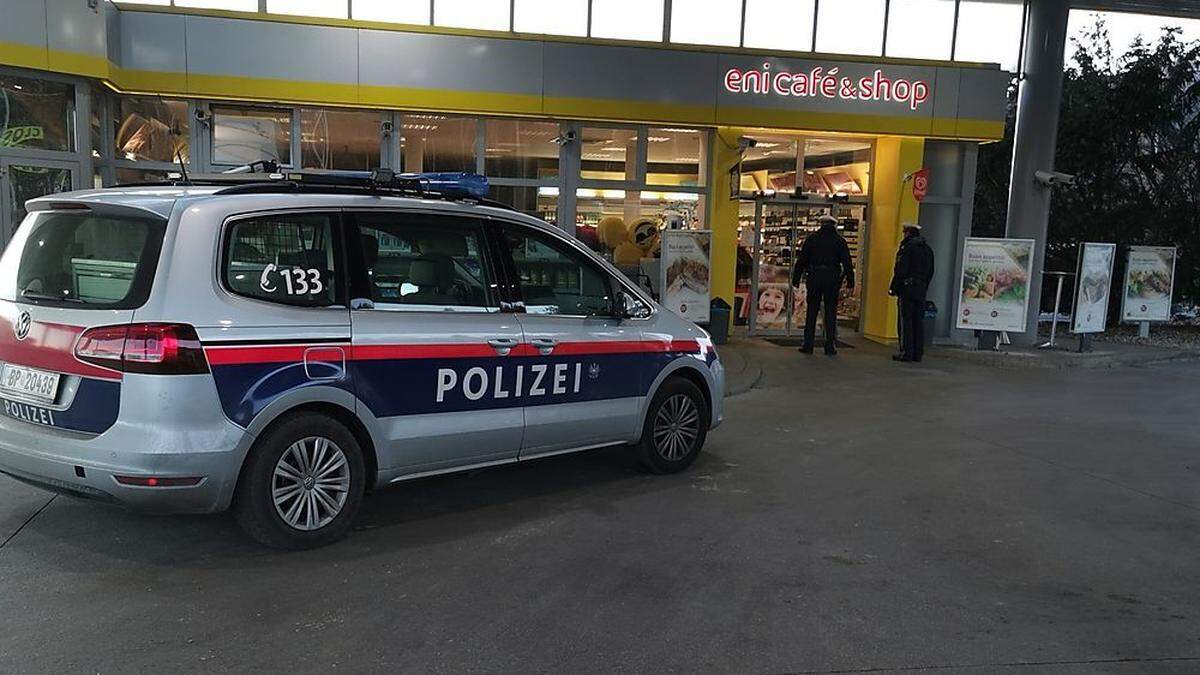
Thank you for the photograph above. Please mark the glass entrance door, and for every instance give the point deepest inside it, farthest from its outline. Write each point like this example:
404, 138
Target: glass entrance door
25, 179
777, 306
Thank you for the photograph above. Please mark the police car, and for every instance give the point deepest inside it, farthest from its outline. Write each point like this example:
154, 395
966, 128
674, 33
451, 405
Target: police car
282, 345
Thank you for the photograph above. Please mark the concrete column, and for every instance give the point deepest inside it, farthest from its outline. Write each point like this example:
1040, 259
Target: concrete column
1038, 103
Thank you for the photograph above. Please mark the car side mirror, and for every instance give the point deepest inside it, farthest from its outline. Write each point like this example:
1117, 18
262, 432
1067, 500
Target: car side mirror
627, 306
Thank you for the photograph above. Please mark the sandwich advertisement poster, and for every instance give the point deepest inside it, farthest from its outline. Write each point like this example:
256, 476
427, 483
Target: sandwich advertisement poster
686, 270
994, 290
1092, 287
1149, 283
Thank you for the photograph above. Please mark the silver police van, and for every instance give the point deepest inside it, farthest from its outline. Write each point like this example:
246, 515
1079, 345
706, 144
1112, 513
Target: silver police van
282, 345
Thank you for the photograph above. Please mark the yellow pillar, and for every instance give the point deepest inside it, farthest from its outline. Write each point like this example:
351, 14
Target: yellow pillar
892, 204
723, 215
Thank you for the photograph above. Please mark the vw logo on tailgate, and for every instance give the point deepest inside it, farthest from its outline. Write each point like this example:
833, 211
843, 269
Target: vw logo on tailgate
21, 328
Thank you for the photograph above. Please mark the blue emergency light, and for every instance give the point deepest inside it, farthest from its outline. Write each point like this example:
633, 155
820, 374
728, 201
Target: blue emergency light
451, 183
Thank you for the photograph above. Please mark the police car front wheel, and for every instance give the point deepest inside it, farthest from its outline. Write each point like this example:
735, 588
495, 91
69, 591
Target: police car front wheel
675, 429
302, 484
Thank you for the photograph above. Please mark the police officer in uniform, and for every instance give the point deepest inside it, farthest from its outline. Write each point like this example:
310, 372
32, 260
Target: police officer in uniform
823, 263
910, 283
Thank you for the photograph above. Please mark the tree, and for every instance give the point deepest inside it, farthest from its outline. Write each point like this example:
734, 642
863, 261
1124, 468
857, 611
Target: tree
1129, 130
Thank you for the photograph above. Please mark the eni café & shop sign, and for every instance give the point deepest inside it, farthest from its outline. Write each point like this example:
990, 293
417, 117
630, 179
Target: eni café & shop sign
818, 82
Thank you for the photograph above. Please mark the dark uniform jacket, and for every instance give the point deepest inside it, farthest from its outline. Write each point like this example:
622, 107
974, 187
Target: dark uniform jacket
914, 269
824, 258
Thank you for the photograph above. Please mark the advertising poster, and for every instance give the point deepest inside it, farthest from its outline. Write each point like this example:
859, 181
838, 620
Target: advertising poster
1092, 287
994, 290
1149, 283
685, 270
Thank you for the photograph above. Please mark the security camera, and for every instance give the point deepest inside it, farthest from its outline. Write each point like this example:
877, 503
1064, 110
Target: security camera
386, 127
1054, 179
745, 143
565, 137
201, 115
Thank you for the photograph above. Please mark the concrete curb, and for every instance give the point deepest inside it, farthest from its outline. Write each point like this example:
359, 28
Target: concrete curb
741, 373
1025, 359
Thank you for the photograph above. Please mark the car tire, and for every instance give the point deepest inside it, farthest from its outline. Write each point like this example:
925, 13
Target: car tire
314, 466
675, 428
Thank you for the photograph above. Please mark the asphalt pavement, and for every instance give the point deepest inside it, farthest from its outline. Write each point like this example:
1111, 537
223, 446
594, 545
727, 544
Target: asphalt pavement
852, 515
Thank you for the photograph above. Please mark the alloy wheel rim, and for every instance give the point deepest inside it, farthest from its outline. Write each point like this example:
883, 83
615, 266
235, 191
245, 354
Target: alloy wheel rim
311, 483
676, 427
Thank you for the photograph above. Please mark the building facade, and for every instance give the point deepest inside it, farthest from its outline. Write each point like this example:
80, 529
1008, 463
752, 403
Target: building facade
571, 129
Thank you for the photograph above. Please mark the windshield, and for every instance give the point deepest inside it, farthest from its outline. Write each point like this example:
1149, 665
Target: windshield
81, 259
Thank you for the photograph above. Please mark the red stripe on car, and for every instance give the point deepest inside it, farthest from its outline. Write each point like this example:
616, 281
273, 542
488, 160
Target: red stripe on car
226, 356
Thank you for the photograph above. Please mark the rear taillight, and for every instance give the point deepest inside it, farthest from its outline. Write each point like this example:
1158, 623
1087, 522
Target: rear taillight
155, 348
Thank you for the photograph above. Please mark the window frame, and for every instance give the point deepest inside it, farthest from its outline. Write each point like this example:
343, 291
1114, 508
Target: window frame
338, 241
361, 287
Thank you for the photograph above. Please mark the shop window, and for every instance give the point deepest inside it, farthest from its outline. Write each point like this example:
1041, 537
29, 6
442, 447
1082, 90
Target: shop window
770, 165
850, 27
234, 5
520, 149
394, 11
478, 14
706, 22
675, 156
551, 17
245, 135
541, 202
780, 24
664, 210
437, 143
628, 19
39, 114
339, 139
127, 176
837, 166
328, 9
920, 29
150, 129
989, 31
608, 154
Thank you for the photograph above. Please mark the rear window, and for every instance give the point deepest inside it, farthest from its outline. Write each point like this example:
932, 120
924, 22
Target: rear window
70, 259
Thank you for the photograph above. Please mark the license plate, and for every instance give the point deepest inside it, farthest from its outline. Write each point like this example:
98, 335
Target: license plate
36, 384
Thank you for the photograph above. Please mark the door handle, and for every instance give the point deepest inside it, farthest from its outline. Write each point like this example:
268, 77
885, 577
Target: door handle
545, 346
503, 346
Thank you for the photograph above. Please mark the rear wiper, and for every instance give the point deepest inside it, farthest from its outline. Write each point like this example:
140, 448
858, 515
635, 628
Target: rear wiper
35, 295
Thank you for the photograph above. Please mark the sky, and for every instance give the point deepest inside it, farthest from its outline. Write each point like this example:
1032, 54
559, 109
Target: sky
1124, 28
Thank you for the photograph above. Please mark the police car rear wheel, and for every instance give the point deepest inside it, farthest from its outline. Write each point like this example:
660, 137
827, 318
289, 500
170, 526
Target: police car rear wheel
302, 485
676, 427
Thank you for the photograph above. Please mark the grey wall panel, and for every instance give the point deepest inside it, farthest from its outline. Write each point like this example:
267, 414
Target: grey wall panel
630, 73
71, 26
24, 22
153, 42
983, 94
449, 62
266, 49
945, 98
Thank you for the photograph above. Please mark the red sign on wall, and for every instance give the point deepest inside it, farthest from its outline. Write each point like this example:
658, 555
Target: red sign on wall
920, 184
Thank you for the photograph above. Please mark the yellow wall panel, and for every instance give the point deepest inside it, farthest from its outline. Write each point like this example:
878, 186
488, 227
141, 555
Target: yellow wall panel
892, 204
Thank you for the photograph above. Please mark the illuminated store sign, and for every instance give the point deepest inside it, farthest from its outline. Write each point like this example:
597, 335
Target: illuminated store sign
827, 84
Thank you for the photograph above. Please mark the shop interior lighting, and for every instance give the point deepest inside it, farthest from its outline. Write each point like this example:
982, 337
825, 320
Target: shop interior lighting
681, 131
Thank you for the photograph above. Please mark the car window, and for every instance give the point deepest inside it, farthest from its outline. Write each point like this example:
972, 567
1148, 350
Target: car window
283, 258
424, 262
554, 278
80, 259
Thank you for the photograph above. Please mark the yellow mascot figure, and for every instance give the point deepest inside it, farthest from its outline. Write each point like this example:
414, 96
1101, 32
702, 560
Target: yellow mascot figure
611, 232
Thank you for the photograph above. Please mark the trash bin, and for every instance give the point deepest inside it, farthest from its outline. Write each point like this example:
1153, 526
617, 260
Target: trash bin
718, 321
929, 319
